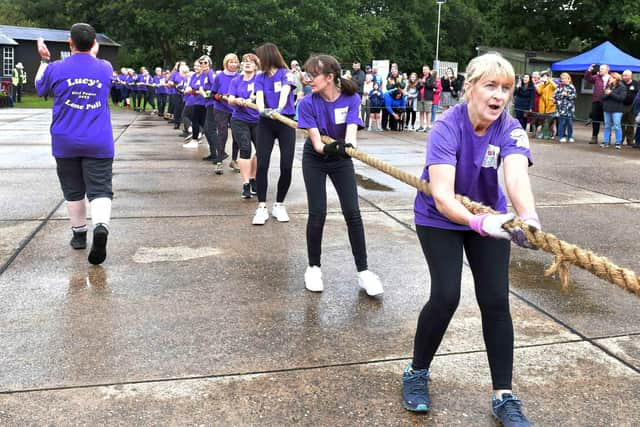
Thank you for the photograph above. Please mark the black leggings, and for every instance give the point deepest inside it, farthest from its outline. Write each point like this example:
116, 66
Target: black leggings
315, 170
489, 261
410, 118
197, 120
211, 132
268, 131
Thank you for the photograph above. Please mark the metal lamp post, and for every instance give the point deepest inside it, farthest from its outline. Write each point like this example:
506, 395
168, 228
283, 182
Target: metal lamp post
440, 3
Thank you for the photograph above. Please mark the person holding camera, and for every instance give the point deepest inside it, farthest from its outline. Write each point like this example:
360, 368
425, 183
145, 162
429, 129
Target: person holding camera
523, 98
598, 78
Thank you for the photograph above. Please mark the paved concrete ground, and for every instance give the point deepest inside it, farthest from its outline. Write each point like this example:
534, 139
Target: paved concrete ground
199, 318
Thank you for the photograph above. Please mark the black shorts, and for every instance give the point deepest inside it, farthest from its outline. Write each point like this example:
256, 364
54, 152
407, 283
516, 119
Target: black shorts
85, 175
245, 134
375, 110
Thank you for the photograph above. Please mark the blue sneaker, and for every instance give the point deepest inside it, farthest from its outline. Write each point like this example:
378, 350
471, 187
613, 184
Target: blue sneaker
508, 411
415, 389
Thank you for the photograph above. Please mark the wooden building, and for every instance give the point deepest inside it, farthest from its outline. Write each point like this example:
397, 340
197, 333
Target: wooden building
18, 44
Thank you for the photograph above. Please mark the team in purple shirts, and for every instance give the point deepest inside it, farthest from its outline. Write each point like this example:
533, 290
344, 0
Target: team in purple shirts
81, 134
244, 121
466, 148
274, 94
333, 109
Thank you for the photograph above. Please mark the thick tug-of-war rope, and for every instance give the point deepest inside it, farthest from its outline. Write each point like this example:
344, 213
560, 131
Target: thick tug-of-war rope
564, 253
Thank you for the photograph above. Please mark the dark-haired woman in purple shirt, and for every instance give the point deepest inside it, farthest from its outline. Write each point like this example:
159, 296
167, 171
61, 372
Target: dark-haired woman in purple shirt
333, 110
274, 92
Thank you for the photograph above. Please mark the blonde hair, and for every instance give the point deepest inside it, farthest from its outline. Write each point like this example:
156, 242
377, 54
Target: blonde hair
489, 65
253, 58
228, 57
567, 75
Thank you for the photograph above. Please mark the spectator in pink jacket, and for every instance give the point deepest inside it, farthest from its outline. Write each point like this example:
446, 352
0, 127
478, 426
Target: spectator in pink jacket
599, 82
436, 98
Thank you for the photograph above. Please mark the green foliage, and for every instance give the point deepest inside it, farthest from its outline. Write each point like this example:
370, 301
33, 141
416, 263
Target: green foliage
155, 32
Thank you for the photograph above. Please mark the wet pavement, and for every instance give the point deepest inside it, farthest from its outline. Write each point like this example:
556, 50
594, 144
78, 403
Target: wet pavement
199, 318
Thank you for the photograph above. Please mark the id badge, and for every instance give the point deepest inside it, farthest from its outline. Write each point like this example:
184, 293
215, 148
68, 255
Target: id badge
340, 115
277, 87
491, 157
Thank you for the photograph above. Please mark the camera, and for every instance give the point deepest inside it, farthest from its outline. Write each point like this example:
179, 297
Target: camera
596, 69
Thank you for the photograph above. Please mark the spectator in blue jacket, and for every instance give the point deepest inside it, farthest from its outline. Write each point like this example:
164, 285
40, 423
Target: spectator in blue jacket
394, 104
523, 98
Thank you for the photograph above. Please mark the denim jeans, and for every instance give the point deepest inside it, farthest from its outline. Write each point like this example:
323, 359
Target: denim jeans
565, 123
434, 113
612, 120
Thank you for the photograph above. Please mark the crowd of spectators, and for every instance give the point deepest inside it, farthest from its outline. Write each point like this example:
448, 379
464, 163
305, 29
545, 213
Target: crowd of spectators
546, 106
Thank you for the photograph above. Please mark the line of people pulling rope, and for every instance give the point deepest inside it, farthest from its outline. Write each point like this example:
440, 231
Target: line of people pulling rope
466, 148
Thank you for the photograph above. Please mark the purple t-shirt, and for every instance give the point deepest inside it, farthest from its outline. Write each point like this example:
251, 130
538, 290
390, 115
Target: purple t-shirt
207, 85
221, 86
330, 118
271, 87
452, 141
131, 82
143, 81
241, 88
160, 82
81, 125
195, 83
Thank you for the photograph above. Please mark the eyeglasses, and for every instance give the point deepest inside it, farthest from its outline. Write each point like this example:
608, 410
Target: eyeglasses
308, 77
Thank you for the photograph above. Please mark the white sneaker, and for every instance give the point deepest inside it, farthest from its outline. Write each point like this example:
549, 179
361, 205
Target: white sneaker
313, 279
191, 144
279, 211
572, 140
563, 139
370, 282
261, 216
369, 129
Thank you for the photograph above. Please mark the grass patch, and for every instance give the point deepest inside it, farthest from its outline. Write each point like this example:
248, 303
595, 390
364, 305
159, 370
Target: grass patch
34, 101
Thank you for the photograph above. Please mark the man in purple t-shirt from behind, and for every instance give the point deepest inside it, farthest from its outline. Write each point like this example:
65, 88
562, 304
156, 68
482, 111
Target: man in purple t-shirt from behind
81, 134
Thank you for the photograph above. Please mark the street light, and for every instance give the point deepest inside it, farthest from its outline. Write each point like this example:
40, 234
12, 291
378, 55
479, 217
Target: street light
440, 2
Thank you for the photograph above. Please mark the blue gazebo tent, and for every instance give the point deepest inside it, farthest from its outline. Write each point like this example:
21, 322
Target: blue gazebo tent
606, 53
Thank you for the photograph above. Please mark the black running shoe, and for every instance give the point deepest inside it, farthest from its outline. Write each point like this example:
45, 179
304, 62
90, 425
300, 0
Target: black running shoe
99, 246
246, 191
79, 240
254, 188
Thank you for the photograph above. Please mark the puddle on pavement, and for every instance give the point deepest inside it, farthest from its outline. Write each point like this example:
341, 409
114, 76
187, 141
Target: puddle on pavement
95, 278
370, 184
172, 254
529, 275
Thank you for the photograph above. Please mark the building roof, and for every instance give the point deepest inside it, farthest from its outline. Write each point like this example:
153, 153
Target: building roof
7, 41
519, 54
31, 33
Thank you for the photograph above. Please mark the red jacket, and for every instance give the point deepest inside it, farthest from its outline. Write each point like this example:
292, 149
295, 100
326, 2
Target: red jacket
598, 85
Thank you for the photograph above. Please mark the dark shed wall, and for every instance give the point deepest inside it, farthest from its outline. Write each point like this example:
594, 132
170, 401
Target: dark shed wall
27, 53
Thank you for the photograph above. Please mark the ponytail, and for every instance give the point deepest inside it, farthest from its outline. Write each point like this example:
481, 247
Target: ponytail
347, 86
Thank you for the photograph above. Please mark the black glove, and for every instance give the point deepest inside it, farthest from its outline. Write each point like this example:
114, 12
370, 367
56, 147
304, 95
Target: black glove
337, 148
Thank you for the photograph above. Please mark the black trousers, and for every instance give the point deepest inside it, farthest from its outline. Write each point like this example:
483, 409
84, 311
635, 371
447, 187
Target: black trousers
198, 114
162, 102
315, 169
268, 131
597, 117
489, 261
